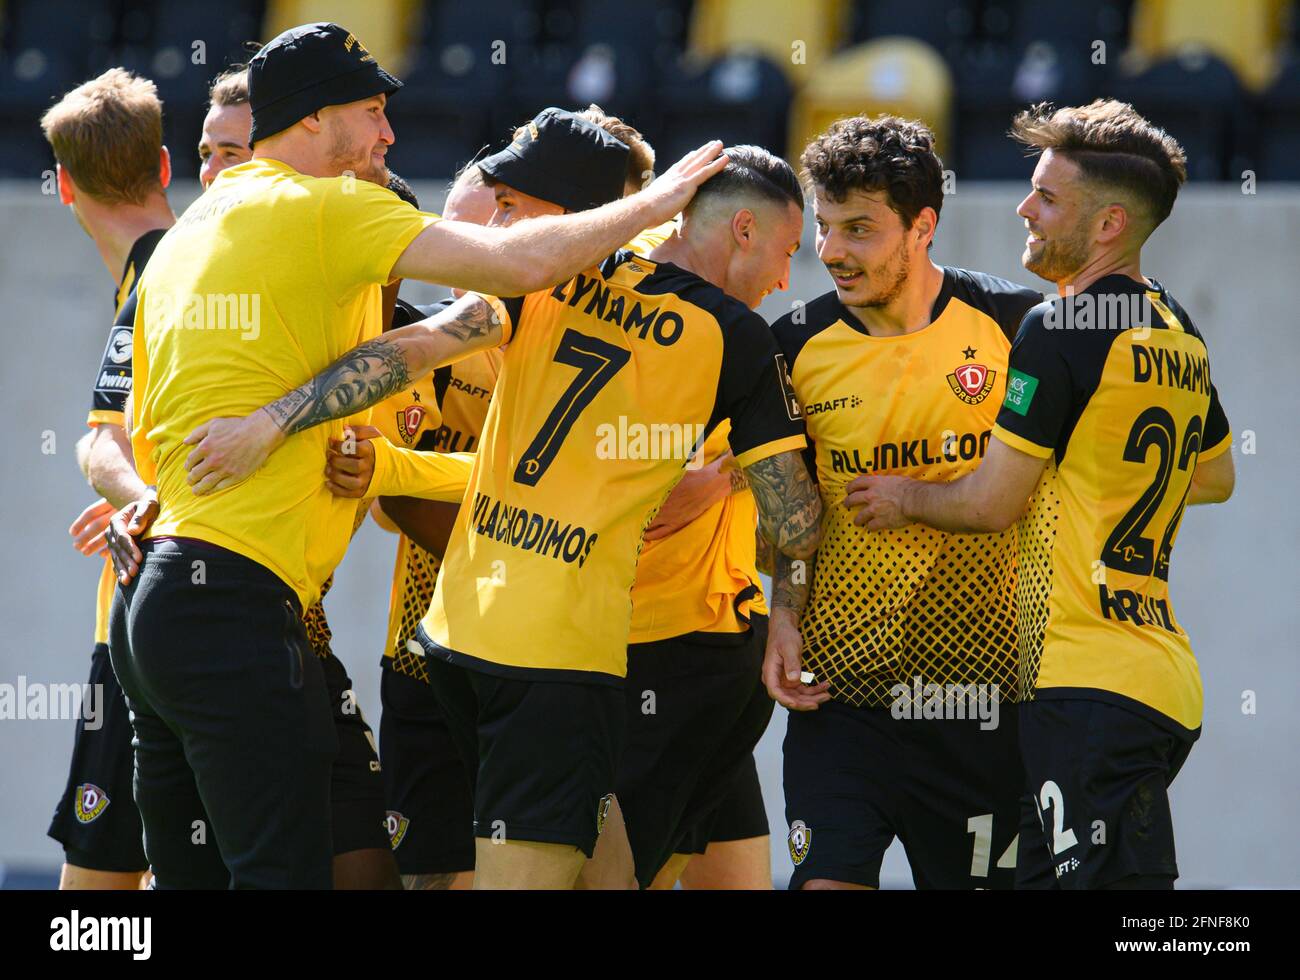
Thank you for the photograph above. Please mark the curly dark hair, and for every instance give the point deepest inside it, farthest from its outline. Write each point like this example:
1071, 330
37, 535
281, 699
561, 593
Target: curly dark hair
887, 154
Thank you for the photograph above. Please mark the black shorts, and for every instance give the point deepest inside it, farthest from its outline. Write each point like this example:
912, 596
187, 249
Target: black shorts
96, 819
541, 755
856, 778
1100, 776
430, 810
696, 707
357, 809
742, 814
234, 736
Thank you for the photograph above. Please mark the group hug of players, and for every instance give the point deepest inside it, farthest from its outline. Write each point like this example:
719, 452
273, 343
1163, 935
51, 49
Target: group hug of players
963, 506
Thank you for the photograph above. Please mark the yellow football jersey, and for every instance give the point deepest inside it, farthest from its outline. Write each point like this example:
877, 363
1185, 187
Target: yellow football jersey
113, 384
1112, 387
887, 607
230, 317
456, 399
704, 576
609, 385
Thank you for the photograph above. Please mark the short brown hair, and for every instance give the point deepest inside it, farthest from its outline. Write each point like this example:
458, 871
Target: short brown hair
230, 87
107, 133
1112, 145
641, 160
887, 154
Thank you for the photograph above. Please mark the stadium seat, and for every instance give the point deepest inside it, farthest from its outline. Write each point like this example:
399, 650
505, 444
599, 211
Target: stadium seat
945, 25
1248, 39
740, 98
1278, 133
894, 75
385, 27
771, 27
1199, 99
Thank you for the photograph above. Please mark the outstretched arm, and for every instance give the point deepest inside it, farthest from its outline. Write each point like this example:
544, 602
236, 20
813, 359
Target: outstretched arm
545, 251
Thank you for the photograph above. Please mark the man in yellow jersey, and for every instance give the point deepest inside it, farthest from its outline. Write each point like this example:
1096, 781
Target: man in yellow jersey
113, 172
219, 329
696, 706
530, 618
431, 821
1110, 428
899, 369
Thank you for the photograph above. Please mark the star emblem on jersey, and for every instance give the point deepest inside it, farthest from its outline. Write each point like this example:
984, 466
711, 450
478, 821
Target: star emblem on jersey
91, 802
800, 840
408, 421
969, 353
396, 825
971, 382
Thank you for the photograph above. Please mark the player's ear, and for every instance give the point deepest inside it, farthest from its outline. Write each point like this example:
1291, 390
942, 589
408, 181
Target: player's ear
743, 228
1114, 219
164, 168
313, 122
66, 186
924, 225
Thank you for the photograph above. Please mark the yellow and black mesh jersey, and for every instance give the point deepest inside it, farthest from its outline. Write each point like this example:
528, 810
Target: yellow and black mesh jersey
443, 412
1112, 387
319, 633
609, 384
888, 607
113, 384
702, 578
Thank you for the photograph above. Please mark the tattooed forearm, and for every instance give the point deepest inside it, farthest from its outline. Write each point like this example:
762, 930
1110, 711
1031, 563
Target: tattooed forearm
764, 553
791, 582
373, 371
428, 882
365, 375
789, 507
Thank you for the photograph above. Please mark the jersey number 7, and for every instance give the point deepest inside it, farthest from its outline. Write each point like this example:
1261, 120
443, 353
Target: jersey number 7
597, 362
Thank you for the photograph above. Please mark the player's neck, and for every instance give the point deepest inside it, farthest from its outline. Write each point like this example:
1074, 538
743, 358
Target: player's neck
1099, 267
115, 228
910, 310
702, 258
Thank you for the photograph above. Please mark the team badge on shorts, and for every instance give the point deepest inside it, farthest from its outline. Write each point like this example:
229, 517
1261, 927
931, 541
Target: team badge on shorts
395, 824
800, 840
91, 802
971, 382
602, 812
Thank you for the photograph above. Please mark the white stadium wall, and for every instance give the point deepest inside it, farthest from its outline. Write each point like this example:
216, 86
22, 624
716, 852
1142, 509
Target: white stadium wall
1231, 259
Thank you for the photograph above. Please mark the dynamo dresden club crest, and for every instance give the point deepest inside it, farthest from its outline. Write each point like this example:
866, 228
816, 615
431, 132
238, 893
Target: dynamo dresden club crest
800, 841
408, 421
396, 825
91, 802
971, 382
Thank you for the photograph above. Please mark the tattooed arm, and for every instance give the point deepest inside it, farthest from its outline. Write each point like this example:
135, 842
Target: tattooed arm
227, 451
789, 507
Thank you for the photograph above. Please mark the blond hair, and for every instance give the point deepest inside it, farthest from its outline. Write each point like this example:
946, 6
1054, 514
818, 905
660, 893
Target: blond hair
107, 134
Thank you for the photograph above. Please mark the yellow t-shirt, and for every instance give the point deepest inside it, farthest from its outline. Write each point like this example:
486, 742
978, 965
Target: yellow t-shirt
264, 281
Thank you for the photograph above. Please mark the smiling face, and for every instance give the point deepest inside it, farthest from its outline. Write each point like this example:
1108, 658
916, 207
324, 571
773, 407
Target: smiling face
224, 142
771, 233
1057, 212
514, 205
864, 246
359, 137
